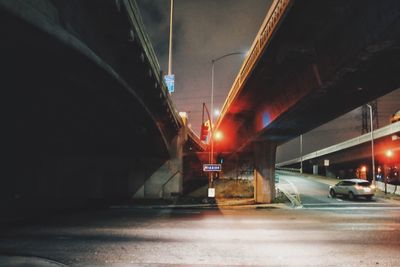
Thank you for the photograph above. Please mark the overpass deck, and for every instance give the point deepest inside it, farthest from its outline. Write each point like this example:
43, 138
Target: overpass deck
386, 131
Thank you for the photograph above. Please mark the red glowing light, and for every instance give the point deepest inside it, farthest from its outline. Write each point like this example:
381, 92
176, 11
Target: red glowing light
389, 153
218, 135
363, 169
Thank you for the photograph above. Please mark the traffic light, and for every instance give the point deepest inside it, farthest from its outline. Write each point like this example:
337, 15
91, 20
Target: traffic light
220, 158
204, 131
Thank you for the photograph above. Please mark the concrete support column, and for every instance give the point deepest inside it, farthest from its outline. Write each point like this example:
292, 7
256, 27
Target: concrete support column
167, 180
174, 183
264, 171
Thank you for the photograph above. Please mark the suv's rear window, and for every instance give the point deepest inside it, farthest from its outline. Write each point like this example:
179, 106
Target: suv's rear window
365, 184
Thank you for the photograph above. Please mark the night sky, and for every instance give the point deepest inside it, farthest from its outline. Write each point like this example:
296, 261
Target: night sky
203, 30
207, 29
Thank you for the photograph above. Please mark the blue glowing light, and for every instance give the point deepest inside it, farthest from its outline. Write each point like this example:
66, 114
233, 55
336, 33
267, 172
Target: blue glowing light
266, 119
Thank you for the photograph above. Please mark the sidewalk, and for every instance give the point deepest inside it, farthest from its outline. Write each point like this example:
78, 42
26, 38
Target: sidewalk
204, 203
389, 196
18, 261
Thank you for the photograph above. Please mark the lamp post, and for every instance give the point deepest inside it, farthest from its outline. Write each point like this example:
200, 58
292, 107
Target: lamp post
170, 38
389, 155
301, 154
212, 97
372, 144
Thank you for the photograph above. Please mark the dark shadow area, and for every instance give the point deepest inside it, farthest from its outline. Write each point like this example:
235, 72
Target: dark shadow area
82, 131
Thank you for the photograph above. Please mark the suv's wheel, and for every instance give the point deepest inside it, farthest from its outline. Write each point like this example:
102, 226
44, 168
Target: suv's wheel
351, 196
332, 193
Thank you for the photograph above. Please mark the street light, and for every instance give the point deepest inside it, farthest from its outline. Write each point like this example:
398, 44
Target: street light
212, 95
372, 144
170, 38
301, 154
218, 136
389, 155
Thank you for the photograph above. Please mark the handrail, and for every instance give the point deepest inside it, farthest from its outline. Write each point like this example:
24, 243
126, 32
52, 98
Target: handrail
293, 199
271, 21
168, 180
293, 196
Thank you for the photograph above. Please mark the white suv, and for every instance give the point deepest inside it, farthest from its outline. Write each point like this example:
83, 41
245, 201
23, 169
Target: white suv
353, 188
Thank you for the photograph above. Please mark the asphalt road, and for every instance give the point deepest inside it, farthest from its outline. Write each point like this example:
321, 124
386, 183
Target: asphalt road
249, 236
324, 232
314, 193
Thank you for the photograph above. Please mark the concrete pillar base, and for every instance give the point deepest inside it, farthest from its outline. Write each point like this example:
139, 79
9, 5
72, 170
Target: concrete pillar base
264, 171
167, 181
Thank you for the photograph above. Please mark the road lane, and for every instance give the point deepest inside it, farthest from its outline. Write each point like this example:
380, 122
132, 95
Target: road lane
314, 193
363, 233
204, 237
311, 191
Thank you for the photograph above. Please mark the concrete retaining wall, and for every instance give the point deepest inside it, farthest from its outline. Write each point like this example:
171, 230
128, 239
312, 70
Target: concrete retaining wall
229, 188
390, 188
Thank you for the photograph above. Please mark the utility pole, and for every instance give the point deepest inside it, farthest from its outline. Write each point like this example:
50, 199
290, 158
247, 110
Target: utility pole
301, 153
364, 117
170, 38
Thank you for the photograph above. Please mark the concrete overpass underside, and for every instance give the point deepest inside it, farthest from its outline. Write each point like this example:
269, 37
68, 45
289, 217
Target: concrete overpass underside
324, 59
311, 62
88, 116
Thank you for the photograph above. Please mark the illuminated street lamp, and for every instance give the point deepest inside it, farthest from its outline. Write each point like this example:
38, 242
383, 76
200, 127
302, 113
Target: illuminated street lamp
389, 155
212, 95
218, 135
170, 38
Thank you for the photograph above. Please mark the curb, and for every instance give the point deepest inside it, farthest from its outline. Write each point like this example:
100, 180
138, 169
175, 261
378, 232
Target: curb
207, 206
16, 261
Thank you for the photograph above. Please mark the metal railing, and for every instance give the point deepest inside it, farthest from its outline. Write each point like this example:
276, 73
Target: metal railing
196, 139
137, 25
385, 131
136, 22
168, 180
288, 169
291, 192
271, 21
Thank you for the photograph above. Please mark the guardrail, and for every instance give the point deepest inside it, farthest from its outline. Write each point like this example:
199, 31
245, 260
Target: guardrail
196, 139
290, 191
388, 130
270, 24
287, 169
137, 25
